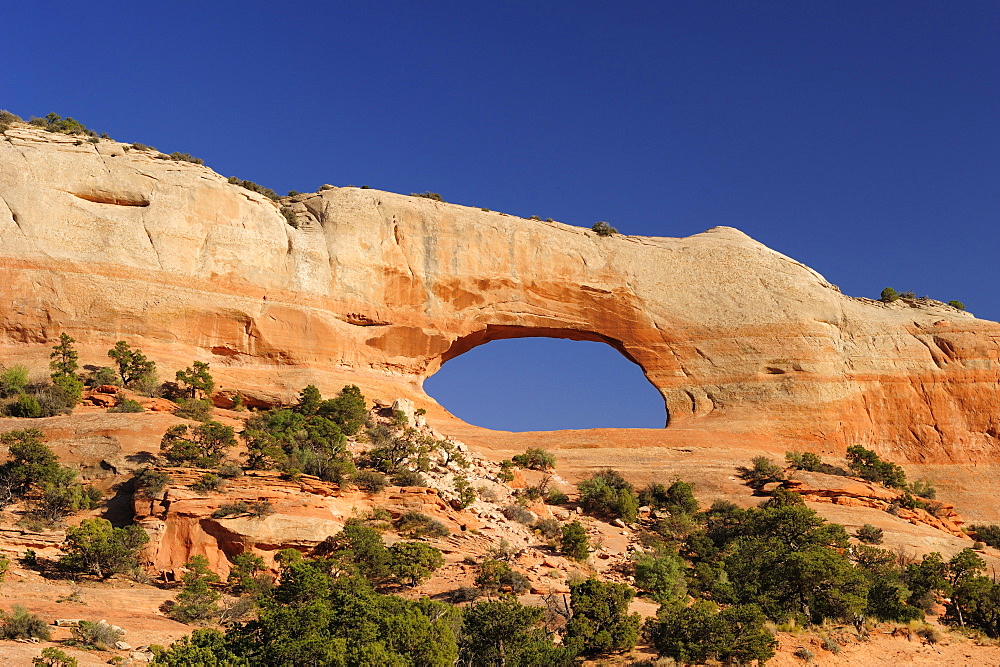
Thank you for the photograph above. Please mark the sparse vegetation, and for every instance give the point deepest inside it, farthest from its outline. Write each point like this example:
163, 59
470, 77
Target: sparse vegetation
574, 542
602, 228
869, 534
254, 187
19, 623
608, 493
889, 295
418, 524
535, 459
867, 465
202, 446
371, 481
427, 195
957, 304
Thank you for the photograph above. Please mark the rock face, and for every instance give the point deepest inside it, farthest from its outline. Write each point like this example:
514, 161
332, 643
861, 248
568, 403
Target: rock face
381, 289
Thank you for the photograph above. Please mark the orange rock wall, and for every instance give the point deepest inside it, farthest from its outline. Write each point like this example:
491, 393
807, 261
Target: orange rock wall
381, 289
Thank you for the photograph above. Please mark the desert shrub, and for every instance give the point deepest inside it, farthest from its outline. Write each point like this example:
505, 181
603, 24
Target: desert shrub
678, 498
63, 496
13, 380
26, 406
4, 568
245, 574
601, 622
957, 304
869, 534
53, 122
261, 509
253, 187
427, 195
535, 459
574, 542
347, 410
556, 497
53, 657
184, 157
231, 509
607, 492
464, 594
923, 488
762, 471
519, 514
141, 147
105, 375
413, 562
889, 295
196, 409
988, 534
700, 633
804, 654
229, 470
8, 118
371, 481
31, 461
496, 576
418, 524
288, 213
804, 461
202, 446
409, 478
127, 405
96, 547
867, 465
662, 576
151, 482
602, 228
466, 492
197, 601
19, 623
208, 483
98, 636
506, 474
550, 529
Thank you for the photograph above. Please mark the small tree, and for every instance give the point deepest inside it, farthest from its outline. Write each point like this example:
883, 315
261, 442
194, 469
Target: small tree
197, 601
309, 401
889, 295
413, 562
535, 459
53, 657
574, 542
347, 411
244, 575
957, 304
31, 462
64, 357
197, 378
867, 465
869, 534
601, 622
603, 229
607, 492
202, 446
96, 547
132, 364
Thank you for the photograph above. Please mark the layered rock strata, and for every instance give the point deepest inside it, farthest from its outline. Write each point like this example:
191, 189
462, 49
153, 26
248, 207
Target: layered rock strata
379, 288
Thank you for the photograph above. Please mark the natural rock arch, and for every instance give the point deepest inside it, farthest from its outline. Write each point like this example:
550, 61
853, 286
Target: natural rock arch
377, 289
508, 332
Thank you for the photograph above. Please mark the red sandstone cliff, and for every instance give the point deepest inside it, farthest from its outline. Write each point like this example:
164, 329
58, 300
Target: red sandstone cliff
380, 289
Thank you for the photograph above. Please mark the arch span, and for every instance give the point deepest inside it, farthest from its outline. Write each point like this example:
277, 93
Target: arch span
549, 384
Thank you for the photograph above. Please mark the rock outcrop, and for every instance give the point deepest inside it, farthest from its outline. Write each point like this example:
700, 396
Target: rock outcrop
381, 289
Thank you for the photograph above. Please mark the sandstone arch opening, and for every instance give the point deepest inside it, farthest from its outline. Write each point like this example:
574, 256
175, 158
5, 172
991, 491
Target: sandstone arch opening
539, 383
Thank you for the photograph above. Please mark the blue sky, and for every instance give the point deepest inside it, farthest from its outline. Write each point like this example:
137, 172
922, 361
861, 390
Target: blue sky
861, 138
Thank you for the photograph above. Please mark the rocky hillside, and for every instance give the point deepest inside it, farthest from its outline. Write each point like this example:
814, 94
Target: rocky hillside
104, 242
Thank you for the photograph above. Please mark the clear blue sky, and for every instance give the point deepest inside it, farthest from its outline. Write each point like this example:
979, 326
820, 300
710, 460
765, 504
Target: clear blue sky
861, 138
